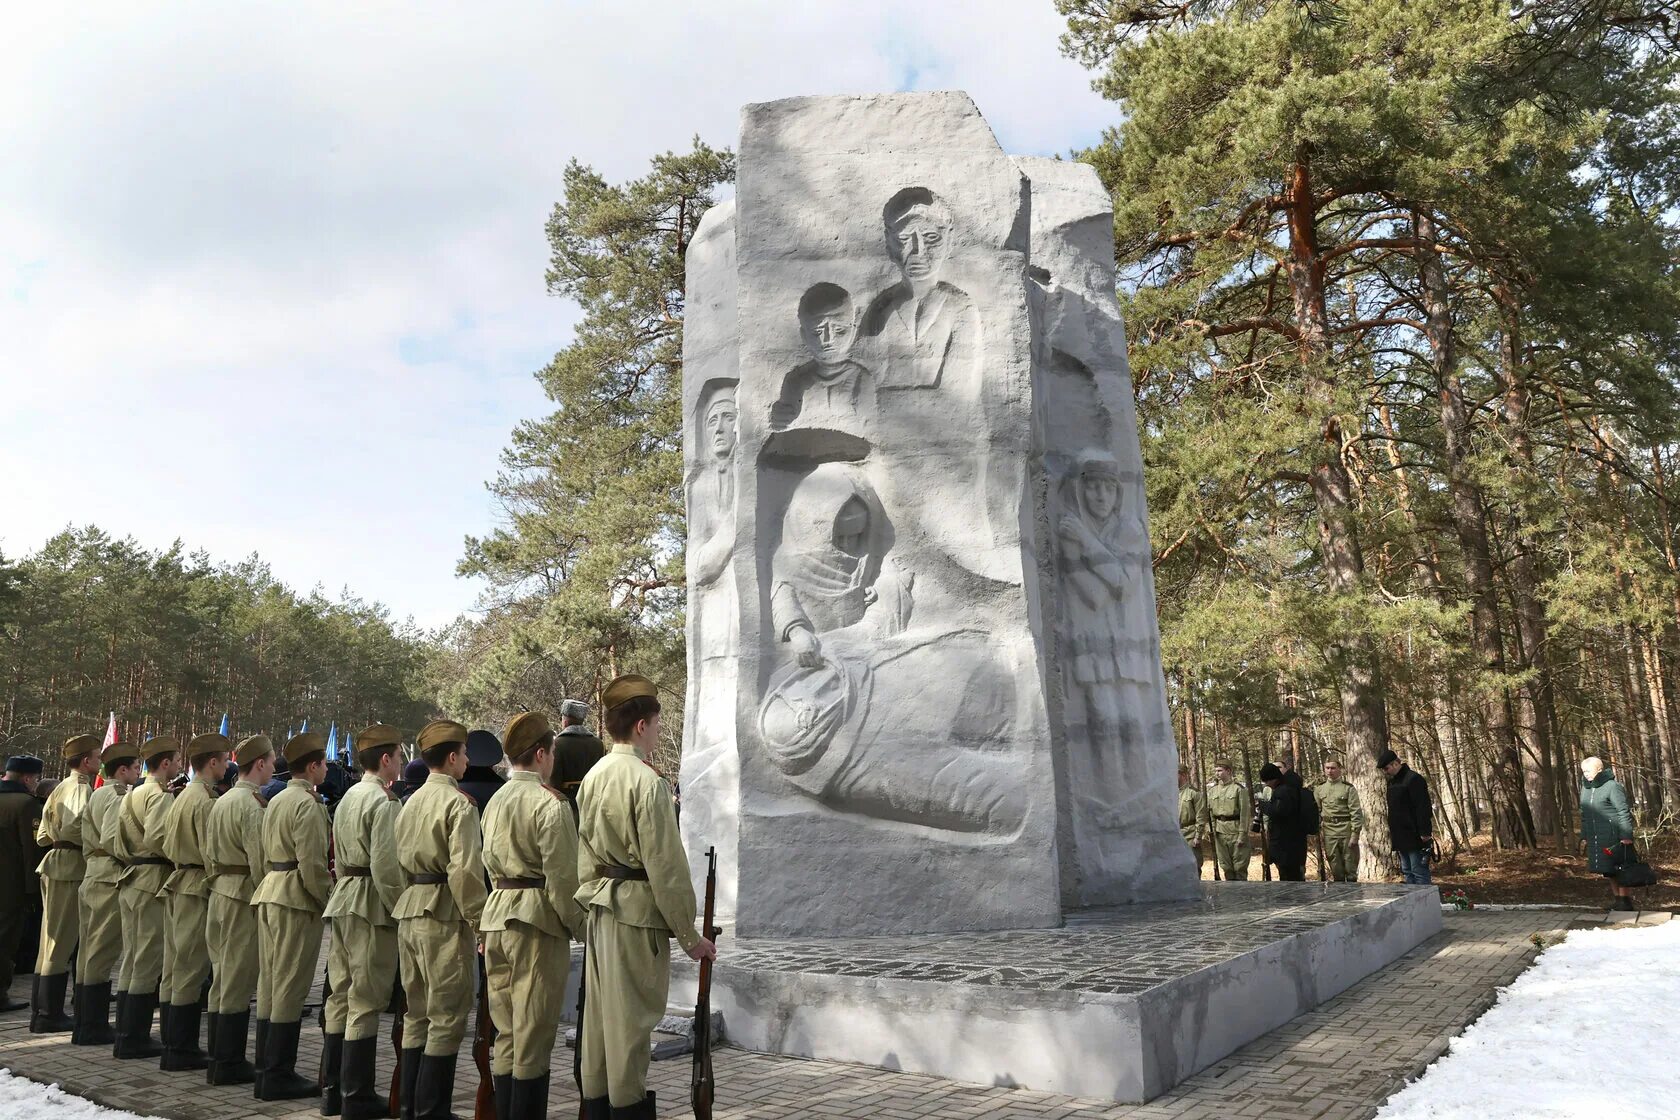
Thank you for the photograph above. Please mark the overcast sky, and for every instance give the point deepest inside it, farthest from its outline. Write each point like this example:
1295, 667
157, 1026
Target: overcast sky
271, 276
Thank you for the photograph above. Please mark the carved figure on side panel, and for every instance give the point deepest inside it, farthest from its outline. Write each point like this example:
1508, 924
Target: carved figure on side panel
831, 390
922, 327
1092, 554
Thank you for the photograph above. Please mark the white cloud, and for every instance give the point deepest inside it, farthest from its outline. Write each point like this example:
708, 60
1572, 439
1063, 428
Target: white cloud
271, 277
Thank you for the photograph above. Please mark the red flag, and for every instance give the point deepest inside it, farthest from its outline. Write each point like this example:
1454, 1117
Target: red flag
110, 738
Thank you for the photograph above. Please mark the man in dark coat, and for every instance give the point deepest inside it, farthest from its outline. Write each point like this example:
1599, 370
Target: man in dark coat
1411, 817
1285, 826
20, 813
576, 749
481, 781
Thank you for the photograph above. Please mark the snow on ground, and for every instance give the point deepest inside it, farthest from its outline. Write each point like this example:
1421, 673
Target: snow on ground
1588, 1032
21, 1099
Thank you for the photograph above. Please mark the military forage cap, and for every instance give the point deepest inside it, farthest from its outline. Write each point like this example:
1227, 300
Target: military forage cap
155, 748
372, 741
523, 731
119, 752
210, 743
621, 690
439, 732
79, 746
253, 748
302, 749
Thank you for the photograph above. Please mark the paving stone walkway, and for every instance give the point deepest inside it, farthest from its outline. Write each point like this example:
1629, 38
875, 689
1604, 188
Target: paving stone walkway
1339, 1062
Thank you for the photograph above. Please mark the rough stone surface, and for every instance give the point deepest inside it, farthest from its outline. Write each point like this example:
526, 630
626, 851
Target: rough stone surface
925, 683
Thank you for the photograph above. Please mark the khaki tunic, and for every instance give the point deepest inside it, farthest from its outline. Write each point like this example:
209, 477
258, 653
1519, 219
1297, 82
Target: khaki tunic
234, 865
438, 834
186, 957
61, 873
1193, 816
101, 913
1229, 809
145, 915
627, 817
289, 901
362, 963
1340, 821
529, 834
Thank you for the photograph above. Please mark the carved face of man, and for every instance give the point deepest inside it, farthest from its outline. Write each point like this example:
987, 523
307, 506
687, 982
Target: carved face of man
720, 426
829, 327
851, 526
1100, 492
919, 243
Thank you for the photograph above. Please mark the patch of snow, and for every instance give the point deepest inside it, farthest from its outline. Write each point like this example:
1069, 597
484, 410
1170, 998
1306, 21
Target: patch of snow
22, 1099
1588, 1033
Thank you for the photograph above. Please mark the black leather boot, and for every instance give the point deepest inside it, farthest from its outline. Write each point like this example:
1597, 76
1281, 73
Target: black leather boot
406, 1081
530, 1099
96, 1031
227, 1051
596, 1108
122, 1010
358, 1083
502, 1085
642, 1111
264, 1060
332, 1057
281, 1081
434, 1088
134, 1027
46, 1004
180, 1046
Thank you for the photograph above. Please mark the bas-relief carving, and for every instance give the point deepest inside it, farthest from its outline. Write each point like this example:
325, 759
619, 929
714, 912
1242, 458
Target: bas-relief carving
831, 390
922, 326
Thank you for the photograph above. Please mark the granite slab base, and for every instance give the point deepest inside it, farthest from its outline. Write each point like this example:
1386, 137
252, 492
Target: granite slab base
1120, 1003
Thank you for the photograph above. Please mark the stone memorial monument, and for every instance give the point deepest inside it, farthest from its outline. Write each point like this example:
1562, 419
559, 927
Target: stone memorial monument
926, 725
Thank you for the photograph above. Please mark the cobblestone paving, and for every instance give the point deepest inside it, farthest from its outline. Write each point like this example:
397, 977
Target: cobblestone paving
1338, 1062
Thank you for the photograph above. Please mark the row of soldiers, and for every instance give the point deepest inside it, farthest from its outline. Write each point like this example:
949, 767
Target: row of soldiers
1227, 816
207, 902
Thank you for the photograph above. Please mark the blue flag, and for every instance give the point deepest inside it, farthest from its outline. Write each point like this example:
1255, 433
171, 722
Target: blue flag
224, 724
332, 742
304, 728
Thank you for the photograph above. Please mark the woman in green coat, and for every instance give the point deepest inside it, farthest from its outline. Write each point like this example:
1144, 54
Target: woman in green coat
1606, 823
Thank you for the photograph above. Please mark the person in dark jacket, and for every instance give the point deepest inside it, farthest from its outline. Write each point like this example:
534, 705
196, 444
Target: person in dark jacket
481, 781
413, 777
576, 749
1285, 826
1606, 826
1411, 817
20, 813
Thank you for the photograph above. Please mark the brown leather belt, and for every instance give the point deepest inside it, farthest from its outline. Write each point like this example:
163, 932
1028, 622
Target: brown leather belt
65, 846
619, 871
189, 867
228, 869
283, 865
536, 883
354, 872
428, 879
1232, 817
150, 861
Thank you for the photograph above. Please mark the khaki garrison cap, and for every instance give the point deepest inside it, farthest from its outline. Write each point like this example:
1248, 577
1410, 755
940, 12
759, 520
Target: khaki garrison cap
152, 749
523, 732
302, 749
210, 743
119, 752
439, 732
253, 748
630, 686
78, 747
373, 741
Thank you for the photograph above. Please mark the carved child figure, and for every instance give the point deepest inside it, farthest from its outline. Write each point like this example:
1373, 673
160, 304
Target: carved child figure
831, 390
1093, 620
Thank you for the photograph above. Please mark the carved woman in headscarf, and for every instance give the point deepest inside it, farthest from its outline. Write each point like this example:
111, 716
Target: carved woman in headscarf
1091, 534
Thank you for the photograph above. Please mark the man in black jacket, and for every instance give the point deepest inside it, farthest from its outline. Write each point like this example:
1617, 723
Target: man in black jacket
576, 749
1284, 824
1410, 817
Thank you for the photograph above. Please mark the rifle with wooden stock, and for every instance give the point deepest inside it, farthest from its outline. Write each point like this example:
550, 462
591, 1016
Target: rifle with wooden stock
704, 1085
399, 1008
577, 1035
484, 1033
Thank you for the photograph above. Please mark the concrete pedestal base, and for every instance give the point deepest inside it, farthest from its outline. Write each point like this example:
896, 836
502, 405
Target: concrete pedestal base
1120, 1003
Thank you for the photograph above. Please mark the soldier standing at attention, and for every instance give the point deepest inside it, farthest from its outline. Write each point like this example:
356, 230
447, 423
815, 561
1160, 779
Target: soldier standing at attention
441, 849
137, 842
1228, 806
1340, 822
101, 922
362, 964
186, 956
20, 815
1192, 816
233, 859
61, 884
289, 903
531, 917
638, 895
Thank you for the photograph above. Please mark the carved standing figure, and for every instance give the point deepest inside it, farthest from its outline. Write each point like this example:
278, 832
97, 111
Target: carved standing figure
1093, 614
923, 326
831, 390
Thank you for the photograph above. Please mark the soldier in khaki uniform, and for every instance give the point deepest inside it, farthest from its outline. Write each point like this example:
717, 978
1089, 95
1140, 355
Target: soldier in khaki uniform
530, 851
1192, 816
138, 844
362, 964
635, 886
1229, 808
186, 956
440, 848
289, 903
101, 921
61, 873
234, 862
1340, 822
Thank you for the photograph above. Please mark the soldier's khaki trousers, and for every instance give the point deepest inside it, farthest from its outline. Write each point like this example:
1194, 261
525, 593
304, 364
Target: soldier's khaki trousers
232, 936
290, 943
144, 921
362, 966
438, 977
60, 925
1232, 853
186, 957
1338, 856
629, 977
102, 937
526, 970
